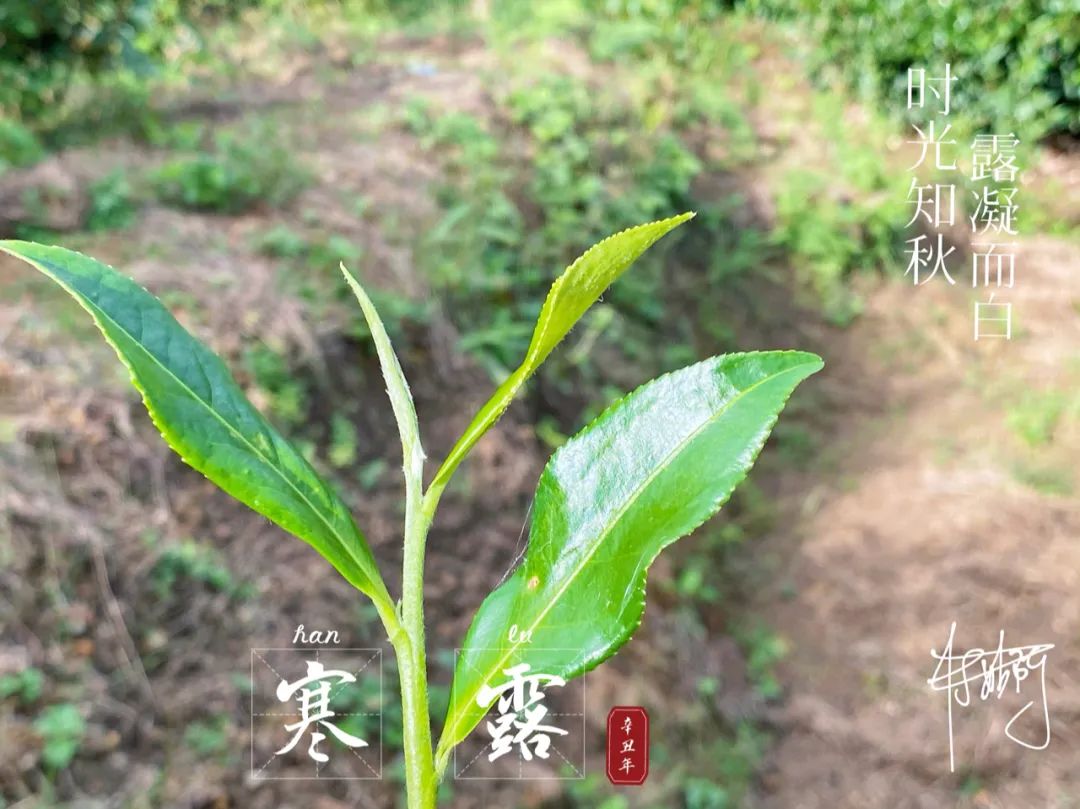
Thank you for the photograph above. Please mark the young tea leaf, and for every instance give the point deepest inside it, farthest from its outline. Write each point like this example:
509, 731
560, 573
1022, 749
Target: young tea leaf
397, 387
649, 470
203, 415
578, 288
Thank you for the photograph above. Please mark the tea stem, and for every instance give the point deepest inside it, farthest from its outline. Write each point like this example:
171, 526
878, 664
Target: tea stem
406, 633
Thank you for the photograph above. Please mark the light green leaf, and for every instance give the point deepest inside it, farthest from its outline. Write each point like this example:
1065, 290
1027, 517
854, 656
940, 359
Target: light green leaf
578, 288
396, 386
203, 415
649, 470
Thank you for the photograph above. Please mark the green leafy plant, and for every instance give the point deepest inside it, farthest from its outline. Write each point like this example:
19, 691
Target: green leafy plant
61, 728
242, 172
193, 561
208, 739
1014, 72
25, 685
111, 203
18, 145
650, 469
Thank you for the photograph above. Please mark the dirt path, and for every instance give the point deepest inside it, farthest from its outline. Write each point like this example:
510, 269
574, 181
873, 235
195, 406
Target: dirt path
929, 514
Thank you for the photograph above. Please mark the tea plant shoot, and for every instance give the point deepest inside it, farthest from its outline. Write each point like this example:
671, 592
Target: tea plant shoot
650, 469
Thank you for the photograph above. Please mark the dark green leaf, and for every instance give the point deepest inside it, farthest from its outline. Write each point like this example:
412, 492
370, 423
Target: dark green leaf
203, 415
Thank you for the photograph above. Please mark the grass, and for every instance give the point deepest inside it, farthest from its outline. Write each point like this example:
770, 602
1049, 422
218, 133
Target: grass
24, 686
243, 170
736, 762
586, 175
61, 728
1035, 416
285, 394
1046, 477
112, 203
194, 562
209, 739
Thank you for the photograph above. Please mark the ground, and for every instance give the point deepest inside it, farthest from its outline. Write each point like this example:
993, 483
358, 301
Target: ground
937, 486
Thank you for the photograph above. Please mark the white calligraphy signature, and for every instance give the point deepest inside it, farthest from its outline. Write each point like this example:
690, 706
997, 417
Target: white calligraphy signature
995, 671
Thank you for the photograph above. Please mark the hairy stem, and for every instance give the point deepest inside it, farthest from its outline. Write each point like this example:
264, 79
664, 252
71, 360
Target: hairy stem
407, 630
420, 780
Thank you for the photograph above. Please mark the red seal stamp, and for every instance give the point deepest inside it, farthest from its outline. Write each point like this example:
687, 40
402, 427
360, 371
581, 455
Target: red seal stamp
627, 745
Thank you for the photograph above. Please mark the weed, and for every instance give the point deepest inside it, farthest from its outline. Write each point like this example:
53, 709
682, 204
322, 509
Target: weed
111, 203
585, 174
243, 171
343, 441
1045, 478
61, 728
24, 685
208, 739
735, 761
286, 395
371, 473
1035, 417
281, 241
763, 649
829, 238
189, 560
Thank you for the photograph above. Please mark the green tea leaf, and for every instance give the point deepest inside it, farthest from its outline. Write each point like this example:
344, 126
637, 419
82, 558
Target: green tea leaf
397, 387
203, 415
649, 470
570, 296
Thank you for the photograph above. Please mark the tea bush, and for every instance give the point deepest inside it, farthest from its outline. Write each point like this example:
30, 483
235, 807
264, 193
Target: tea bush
44, 44
1017, 64
18, 145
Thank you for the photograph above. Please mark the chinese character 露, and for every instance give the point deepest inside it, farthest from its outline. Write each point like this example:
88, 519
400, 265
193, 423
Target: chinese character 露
994, 156
521, 713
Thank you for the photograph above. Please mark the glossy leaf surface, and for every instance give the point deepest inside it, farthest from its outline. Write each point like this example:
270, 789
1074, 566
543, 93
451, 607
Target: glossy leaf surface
573, 292
203, 414
649, 470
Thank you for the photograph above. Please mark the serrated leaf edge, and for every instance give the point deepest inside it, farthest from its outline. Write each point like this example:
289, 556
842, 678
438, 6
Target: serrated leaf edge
621, 639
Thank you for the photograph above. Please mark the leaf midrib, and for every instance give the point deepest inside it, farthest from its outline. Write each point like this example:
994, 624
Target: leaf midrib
622, 512
100, 314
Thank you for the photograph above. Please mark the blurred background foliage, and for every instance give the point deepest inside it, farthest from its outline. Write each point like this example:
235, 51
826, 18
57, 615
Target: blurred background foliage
1016, 63
45, 44
457, 155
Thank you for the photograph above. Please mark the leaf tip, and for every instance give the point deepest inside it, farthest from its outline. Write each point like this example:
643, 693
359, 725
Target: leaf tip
813, 359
